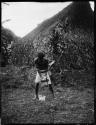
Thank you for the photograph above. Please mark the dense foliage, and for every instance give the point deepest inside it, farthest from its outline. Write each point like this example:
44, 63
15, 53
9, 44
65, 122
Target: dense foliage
75, 48
7, 39
71, 48
22, 54
71, 45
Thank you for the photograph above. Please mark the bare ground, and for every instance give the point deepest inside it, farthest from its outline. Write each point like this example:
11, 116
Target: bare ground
71, 105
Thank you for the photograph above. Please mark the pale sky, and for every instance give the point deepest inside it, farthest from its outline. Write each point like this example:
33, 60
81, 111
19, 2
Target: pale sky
25, 16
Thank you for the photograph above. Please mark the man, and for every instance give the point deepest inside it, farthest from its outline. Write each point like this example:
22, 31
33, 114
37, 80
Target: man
42, 73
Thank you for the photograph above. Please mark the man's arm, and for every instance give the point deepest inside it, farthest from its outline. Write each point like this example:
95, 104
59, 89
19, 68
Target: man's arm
35, 61
50, 64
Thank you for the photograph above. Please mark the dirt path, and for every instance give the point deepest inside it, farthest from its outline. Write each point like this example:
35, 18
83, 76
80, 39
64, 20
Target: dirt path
69, 106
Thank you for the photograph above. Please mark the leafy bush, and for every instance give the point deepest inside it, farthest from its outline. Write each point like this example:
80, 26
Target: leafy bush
7, 39
75, 48
22, 54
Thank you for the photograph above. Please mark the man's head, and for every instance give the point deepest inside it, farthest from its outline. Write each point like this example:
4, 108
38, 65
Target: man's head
41, 55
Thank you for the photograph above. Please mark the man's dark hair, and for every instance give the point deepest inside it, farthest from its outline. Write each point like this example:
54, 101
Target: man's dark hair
41, 55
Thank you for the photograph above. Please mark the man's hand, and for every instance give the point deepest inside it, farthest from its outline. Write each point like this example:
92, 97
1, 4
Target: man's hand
50, 64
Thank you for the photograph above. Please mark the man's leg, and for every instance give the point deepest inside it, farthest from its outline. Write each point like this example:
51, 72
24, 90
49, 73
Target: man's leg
51, 89
50, 85
36, 90
37, 81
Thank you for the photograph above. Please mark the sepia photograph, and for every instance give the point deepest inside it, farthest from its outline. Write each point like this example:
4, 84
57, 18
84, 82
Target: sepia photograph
47, 62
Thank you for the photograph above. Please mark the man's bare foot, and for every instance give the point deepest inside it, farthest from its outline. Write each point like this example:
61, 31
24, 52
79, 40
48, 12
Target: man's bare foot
37, 98
53, 95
